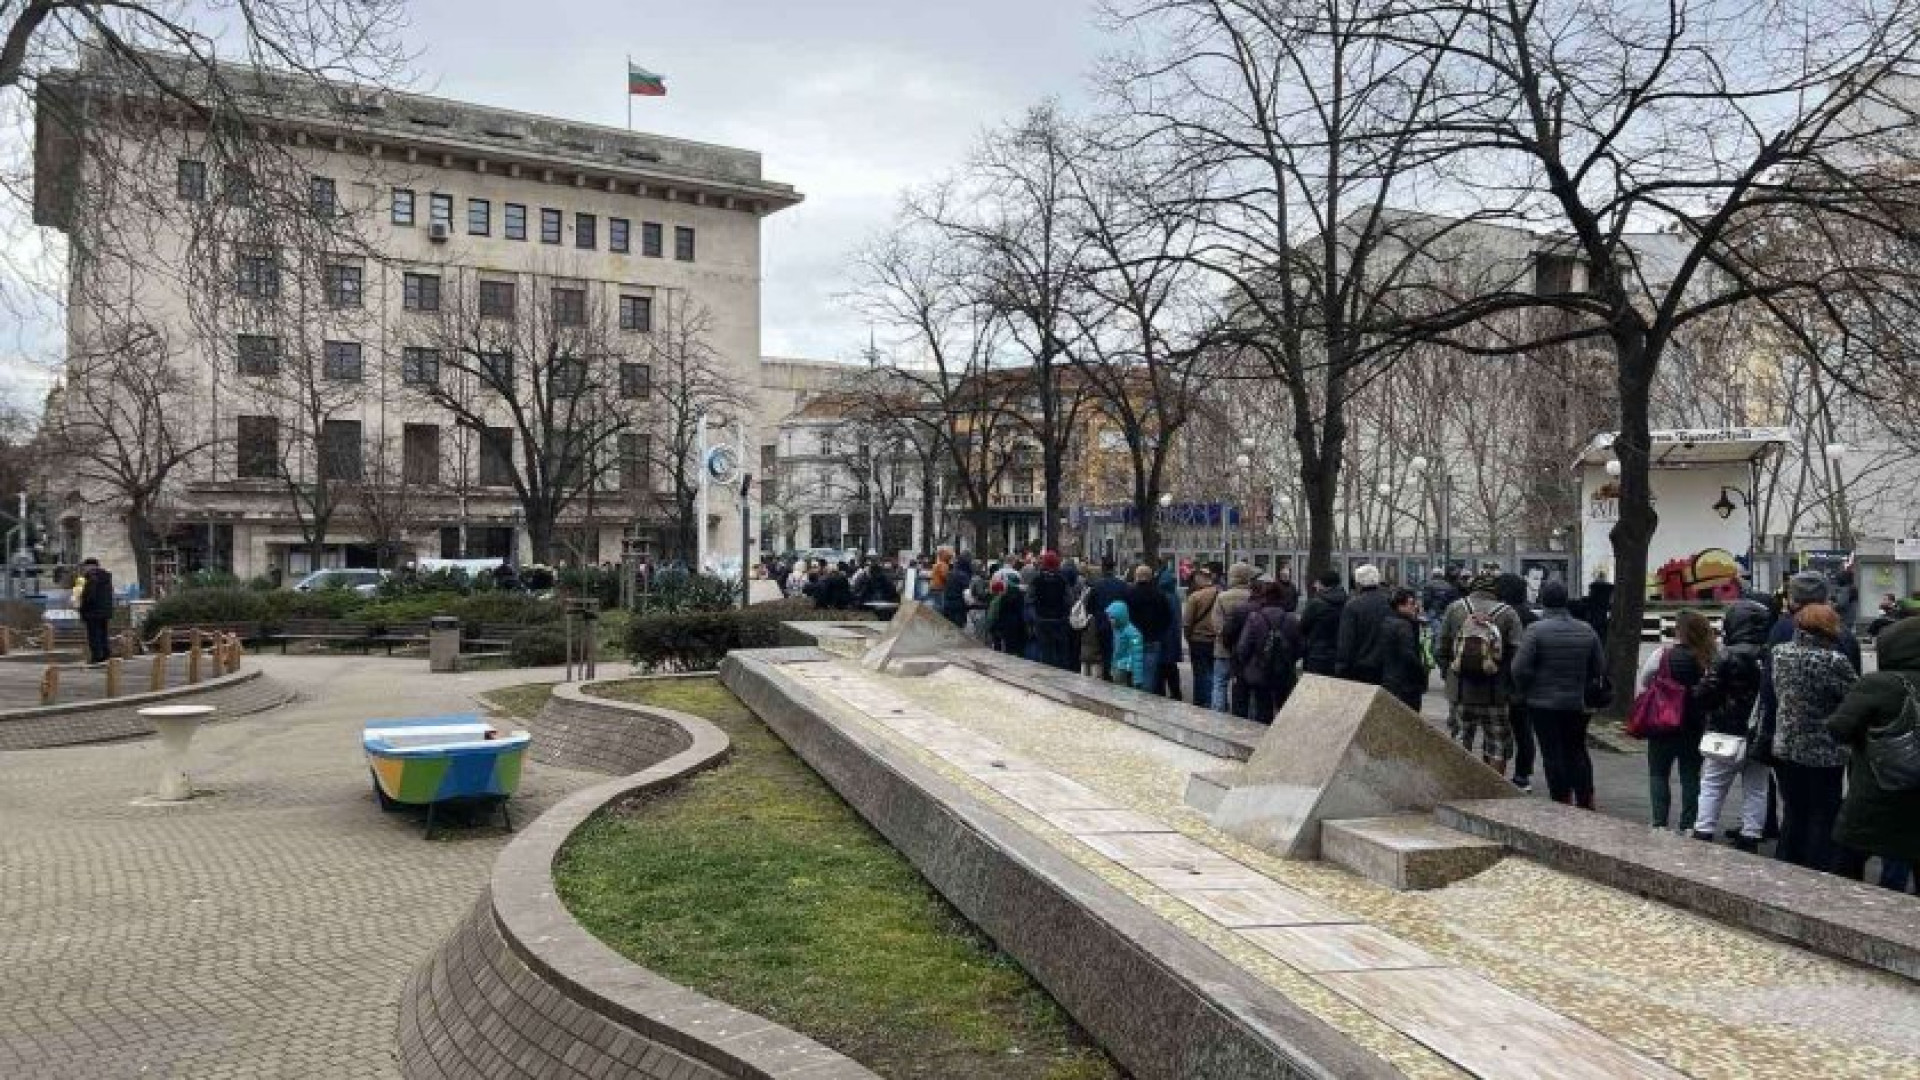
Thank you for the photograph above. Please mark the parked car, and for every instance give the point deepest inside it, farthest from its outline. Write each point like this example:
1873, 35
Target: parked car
364, 582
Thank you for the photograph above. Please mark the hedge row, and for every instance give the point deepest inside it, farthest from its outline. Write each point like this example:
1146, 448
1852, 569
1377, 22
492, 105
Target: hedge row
699, 641
193, 607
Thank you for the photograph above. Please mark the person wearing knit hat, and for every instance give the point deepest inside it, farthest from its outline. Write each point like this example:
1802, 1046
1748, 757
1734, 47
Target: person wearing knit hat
1805, 588
1232, 600
1051, 601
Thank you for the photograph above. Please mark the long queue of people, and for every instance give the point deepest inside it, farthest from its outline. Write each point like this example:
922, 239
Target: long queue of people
1774, 700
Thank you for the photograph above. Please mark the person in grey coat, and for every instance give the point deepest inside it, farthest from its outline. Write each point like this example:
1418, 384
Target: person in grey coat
1559, 656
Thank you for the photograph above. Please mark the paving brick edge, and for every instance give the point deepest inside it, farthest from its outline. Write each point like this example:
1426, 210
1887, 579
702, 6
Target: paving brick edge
112, 719
1872, 926
522, 985
1162, 1004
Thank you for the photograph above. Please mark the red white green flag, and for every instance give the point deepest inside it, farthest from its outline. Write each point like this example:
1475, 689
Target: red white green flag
644, 83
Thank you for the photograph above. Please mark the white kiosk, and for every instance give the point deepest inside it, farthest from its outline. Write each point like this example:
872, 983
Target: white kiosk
1704, 491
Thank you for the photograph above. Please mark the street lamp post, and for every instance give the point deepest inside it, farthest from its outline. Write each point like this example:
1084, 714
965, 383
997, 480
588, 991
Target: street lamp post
1244, 464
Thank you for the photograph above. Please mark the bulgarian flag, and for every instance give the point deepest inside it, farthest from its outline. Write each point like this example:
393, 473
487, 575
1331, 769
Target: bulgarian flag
644, 83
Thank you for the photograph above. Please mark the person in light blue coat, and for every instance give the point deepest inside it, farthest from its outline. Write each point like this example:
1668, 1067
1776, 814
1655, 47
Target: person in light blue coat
1129, 650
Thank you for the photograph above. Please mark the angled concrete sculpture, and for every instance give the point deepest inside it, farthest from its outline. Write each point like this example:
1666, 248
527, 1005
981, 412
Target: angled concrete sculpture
916, 633
1339, 750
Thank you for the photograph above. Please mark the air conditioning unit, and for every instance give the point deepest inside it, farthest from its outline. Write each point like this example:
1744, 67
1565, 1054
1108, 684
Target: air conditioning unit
437, 232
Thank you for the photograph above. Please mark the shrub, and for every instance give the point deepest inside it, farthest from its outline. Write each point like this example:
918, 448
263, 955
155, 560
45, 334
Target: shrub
591, 581
262, 583
539, 646
208, 579
676, 592
318, 604
194, 607
21, 615
698, 641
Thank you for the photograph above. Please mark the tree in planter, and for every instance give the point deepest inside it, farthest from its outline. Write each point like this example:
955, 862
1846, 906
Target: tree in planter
689, 383
114, 435
533, 366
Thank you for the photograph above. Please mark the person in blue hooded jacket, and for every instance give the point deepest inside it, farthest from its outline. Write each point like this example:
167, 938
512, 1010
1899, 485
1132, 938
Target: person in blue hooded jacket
1129, 650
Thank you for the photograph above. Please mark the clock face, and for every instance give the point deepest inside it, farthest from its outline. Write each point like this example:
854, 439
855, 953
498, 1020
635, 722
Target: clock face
722, 463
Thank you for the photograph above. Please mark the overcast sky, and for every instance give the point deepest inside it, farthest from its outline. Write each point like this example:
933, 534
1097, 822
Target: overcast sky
848, 100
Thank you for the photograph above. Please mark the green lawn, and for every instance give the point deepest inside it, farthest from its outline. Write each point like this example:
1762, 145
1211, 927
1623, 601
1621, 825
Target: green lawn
755, 884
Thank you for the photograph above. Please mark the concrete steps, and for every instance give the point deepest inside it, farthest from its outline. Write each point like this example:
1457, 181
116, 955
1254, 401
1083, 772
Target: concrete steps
1406, 852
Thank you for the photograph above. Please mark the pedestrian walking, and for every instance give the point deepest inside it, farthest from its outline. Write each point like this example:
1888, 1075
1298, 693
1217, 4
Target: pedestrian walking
1726, 698
1512, 591
1555, 667
93, 598
1808, 677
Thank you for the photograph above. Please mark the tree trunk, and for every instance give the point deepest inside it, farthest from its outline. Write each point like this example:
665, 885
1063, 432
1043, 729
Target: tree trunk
928, 542
1054, 467
1632, 534
982, 527
140, 541
540, 535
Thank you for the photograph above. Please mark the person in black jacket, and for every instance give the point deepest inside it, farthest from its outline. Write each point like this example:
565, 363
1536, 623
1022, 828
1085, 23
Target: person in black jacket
1269, 675
1049, 598
1357, 651
1151, 614
1009, 629
1403, 668
954, 597
96, 607
1320, 623
1726, 697
1107, 589
1558, 659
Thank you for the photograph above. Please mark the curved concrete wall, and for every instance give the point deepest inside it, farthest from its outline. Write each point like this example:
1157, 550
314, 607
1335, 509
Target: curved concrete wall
107, 719
522, 990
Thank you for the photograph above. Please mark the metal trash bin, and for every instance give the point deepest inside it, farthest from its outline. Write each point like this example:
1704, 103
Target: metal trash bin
443, 644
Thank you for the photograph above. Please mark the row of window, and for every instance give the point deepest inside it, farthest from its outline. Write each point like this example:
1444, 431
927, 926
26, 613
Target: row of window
345, 361
343, 286
342, 442
586, 227
237, 187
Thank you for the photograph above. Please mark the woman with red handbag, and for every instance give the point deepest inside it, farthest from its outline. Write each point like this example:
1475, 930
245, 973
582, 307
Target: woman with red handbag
1808, 678
1682, 666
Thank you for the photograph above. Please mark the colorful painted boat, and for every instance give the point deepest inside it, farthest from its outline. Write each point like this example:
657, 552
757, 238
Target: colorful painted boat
430, 760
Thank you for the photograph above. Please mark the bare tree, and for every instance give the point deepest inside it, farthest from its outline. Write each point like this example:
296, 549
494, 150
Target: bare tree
1296, 133
390, 501
113, 436
532, 366
689, 385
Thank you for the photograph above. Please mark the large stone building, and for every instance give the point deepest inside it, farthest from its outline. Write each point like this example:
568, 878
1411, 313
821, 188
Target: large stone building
296, 358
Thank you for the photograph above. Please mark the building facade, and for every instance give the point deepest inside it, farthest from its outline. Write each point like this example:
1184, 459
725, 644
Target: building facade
471, 355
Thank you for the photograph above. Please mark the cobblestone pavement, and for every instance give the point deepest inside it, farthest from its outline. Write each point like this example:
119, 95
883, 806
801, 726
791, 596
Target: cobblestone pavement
264, 930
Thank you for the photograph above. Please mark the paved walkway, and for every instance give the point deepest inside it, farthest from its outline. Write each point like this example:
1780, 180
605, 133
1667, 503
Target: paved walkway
262, 931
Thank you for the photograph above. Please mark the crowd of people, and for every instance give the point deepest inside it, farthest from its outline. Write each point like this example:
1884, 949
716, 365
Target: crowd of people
1522, 677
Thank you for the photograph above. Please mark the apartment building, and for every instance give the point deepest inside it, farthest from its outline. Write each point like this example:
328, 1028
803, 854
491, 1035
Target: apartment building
321, 360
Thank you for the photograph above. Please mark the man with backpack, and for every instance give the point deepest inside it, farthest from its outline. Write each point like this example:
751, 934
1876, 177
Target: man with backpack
1478, 639
1228, 620
1267, 652
1320, 623
1196, 619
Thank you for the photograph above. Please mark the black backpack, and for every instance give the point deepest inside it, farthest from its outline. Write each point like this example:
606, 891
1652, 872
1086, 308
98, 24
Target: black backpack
1278, 658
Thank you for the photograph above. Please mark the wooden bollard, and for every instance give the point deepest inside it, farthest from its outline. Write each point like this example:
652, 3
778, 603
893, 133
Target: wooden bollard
46, 639
50, 685
163, 644
113, 676
233, 653
6, 640
157, 675
193, 659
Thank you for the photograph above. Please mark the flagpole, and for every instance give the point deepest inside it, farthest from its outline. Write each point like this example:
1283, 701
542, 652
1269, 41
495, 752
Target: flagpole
629, 84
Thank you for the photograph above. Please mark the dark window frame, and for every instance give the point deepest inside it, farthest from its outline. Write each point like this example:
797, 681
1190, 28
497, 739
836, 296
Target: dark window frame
619, 235
324, 206
440, 209
256, 447
636, 381
479, 217
419, 292
514, 225
652, 239
496, 368
684, 244
495, 458
550, 225
401, 209
568, 305
190, 180
342, 461
343, 361
490, 296
419, 366
420, 464
257, 355
567, 375
256, 276
338, 294
636, 314
586, 231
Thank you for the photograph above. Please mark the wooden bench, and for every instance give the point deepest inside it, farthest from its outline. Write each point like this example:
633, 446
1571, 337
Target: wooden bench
245, 631
412, 633
490, 637
332, 631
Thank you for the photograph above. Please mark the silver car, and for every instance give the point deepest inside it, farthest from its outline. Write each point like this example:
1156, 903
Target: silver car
364, 582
